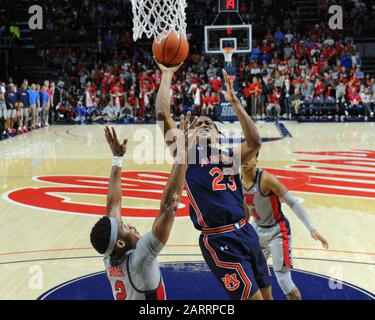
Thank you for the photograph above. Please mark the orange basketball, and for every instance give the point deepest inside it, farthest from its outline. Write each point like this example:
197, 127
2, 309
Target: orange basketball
171, 51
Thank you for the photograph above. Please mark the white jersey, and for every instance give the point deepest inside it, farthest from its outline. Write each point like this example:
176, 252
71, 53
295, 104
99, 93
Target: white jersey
137, 275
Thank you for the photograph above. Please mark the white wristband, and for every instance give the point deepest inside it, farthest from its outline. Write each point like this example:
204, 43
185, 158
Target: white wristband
117, 162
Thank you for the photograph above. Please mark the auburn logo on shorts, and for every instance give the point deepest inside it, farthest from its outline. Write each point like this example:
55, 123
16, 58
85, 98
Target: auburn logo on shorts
231, 282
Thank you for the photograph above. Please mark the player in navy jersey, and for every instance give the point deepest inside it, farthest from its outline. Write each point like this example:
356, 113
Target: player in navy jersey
229, 245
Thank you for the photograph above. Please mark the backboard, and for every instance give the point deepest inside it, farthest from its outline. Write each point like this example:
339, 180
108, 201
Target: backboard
218, 37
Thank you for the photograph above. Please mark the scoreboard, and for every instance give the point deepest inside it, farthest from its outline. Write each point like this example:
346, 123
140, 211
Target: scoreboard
228, 6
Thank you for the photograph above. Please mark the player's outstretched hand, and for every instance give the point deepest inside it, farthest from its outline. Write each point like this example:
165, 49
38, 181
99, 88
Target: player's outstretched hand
230, 93
165, 69
318, 237
118, 149
186, 128
185, 138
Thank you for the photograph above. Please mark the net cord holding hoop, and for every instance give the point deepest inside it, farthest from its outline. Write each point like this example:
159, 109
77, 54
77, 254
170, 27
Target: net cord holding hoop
158, 18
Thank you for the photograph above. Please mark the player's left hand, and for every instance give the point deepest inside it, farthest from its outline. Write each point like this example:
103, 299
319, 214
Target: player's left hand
230, 94
186, 136
318, 237
118, 149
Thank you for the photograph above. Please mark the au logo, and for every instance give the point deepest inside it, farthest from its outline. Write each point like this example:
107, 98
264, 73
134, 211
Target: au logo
231, 282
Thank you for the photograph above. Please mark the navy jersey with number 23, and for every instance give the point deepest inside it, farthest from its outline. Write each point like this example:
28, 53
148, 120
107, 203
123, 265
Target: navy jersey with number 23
214, 191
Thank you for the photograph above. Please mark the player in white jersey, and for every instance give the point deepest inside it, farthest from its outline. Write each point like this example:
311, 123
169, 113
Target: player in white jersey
262, 192
130, 259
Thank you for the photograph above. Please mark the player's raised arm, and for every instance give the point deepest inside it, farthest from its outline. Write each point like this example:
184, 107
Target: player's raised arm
175, 186
271, 184
114, 197
163, 103
253, 141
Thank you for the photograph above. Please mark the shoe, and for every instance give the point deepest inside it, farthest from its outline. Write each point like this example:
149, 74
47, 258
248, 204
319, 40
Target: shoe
342, 118
371, 114
24, 130
366, 118
47, 124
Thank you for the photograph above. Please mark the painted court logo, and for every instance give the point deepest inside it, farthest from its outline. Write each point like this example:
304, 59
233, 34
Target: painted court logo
141, 186
340, 173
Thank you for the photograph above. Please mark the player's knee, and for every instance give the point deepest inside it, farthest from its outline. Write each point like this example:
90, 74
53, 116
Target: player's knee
284, 279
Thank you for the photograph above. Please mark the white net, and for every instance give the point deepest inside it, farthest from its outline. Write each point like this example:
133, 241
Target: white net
228, 54
158, 18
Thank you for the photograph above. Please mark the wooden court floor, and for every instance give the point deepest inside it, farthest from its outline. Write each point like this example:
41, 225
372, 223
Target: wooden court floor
53, 184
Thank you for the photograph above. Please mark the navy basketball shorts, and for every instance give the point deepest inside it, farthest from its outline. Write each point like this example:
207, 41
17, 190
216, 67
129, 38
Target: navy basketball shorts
237, 261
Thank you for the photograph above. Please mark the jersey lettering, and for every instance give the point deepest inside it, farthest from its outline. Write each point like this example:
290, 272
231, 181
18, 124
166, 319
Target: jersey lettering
120, 291
249, 199
218, 185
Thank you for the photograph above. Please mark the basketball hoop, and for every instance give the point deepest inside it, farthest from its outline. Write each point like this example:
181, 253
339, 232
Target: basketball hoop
158, 18
228, 54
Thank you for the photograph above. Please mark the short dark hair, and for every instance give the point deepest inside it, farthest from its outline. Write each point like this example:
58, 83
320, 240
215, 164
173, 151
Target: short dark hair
101, 234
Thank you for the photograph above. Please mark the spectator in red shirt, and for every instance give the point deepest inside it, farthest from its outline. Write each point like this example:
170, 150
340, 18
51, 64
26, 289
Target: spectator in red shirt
207, 104
255, 92
147, 90
216, 83
117, 96
319, 88
156, 79
274, 104
355, 107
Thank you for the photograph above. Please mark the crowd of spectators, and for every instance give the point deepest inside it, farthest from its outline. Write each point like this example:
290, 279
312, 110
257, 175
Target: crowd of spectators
311, 74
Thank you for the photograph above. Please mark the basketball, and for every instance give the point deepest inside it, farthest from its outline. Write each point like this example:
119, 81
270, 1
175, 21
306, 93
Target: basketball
172, 50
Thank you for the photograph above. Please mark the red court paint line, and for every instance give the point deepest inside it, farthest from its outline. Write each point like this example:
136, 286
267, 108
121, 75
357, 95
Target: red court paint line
338, 251
179, 246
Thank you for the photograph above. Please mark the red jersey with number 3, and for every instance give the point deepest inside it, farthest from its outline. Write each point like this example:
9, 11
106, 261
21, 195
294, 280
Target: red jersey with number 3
136, 275
214, 188
266, 209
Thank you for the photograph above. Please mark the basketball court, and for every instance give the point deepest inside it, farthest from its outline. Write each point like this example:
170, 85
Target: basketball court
54, 183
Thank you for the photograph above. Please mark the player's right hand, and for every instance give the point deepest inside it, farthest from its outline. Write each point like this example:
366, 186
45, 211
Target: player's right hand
118, 149
165, 69
318, 237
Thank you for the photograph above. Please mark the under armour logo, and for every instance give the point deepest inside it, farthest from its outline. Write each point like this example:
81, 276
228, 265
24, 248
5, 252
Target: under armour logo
231, 282
224, 248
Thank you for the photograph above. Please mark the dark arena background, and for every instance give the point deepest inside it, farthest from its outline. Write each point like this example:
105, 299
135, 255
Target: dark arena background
303, 70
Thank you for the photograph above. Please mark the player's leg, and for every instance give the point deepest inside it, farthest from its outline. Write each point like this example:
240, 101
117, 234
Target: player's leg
226, 258
259, 252
283, 262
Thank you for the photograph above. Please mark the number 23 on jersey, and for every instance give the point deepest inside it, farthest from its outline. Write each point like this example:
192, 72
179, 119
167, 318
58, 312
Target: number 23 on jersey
218, 184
